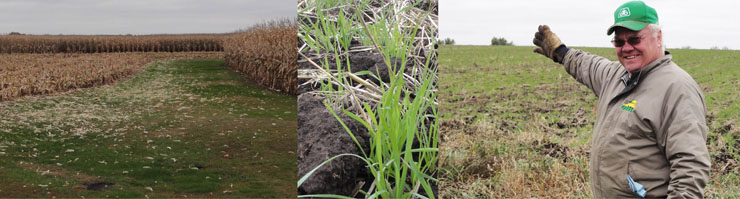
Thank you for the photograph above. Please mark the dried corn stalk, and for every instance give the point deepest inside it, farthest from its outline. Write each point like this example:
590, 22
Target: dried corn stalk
266, 54
110, 43
32, 74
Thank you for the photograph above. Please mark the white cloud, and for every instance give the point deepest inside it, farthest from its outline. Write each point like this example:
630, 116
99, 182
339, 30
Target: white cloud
138, 16
583, 23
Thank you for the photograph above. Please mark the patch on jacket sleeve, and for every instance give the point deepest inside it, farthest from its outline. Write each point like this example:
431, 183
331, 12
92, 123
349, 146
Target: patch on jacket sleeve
630, 106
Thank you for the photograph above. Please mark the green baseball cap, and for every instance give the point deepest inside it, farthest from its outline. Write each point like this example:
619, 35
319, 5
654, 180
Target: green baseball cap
633, 15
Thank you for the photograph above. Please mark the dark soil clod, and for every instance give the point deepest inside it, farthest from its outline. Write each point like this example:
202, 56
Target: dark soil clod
724, 129
724, 162
451, 124
97, 186
552, 149
484, 168
321, 137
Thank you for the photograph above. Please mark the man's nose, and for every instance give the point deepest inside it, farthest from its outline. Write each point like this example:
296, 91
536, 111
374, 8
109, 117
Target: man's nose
628, 47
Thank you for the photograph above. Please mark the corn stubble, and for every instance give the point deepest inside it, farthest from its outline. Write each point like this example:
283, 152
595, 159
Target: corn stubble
266, 54
32, 74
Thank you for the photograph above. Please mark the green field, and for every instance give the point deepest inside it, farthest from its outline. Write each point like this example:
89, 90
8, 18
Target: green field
188, 128
515, 124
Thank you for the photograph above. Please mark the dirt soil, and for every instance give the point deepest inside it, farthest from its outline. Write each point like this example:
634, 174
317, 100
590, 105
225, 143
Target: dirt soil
321, 137
344, 175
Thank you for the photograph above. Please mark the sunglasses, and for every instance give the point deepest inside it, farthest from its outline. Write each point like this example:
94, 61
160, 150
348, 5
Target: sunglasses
634, 40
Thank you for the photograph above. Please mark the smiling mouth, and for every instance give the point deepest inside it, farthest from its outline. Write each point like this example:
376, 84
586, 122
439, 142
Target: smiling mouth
631, 57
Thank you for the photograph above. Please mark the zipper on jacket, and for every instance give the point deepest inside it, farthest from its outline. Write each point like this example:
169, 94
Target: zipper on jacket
629, 82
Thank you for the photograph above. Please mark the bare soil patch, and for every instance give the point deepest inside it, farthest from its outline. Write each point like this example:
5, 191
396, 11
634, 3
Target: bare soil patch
321, 137
553, 150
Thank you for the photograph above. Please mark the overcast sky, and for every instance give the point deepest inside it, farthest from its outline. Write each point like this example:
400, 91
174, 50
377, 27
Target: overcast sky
699, 24
138, 16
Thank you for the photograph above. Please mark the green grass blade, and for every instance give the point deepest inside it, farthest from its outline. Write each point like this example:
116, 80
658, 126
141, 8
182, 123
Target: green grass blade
305, 177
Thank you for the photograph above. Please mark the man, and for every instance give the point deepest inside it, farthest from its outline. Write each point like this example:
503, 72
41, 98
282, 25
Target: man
650, 135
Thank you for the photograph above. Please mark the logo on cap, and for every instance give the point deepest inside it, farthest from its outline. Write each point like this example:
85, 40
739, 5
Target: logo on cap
625, 12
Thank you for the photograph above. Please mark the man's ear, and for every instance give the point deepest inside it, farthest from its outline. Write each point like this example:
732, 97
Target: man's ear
660, 38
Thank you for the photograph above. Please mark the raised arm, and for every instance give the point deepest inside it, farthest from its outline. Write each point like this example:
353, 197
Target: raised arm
590, 70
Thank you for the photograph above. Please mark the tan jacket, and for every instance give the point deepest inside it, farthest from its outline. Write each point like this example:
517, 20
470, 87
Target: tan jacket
656, 132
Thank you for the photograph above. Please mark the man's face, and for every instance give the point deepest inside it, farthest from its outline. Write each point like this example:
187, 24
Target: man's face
636, 57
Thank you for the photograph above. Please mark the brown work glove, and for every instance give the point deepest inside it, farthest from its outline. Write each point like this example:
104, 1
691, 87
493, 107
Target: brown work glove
547, 42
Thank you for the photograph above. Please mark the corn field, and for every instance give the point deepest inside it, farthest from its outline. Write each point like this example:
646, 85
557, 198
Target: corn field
10, 44
266, 53
31, 74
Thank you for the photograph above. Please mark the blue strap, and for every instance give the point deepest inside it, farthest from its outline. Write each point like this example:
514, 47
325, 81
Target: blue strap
637, 188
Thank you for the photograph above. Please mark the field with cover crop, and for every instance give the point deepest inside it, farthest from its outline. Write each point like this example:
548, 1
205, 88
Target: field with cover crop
146, 116
185, 128
515, 124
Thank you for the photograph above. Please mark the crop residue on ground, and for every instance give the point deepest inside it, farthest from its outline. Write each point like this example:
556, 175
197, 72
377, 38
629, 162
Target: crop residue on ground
187, 128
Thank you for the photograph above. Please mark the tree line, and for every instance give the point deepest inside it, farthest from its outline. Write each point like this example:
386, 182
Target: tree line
495, 41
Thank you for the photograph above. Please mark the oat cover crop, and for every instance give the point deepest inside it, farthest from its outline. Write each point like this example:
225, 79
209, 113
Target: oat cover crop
266, 54
400, 113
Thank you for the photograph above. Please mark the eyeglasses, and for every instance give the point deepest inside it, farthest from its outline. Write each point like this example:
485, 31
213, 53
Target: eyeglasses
634, 40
